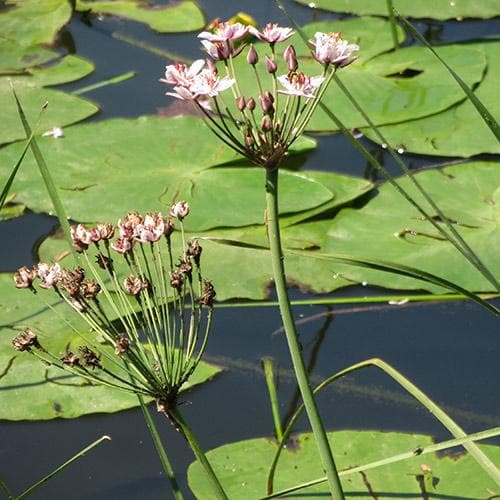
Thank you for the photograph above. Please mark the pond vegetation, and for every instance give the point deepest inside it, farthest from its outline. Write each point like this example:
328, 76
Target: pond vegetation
236, 126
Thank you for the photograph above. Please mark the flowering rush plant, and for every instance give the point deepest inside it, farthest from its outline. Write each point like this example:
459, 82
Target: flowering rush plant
264, 126
163, 307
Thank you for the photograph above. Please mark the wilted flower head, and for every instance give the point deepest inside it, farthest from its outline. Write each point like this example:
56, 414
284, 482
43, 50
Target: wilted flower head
134, 285
24, 277
272, 33
48, 274
25, 340
329, 48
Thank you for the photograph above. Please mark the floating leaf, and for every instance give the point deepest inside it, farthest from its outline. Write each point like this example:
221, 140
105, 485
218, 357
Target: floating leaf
459, 131
10, 211
25, 26
63, 109
389, 229
107, 168
32, 391
183, 16
242, 468
403, 85
452, 9
67, 69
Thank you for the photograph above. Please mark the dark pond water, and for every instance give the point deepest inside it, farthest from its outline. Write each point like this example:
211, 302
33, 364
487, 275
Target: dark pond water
449, 350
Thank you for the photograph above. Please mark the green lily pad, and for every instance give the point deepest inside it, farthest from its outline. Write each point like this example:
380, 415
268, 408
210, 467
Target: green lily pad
459, 131
106, 169
242, 468
32, 391
63, 109
235, 197
389, 229
9, 211
395, 87
68, 69
25, 26
183, 16
422, 9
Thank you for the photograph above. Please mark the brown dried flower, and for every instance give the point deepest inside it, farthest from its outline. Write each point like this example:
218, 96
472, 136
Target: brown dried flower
25, 340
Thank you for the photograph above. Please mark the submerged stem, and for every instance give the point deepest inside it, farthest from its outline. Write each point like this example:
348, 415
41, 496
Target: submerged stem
292, 337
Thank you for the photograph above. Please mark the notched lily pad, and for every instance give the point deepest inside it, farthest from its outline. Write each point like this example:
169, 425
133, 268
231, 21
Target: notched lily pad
459, 131
242, 468
455, 9
182, 16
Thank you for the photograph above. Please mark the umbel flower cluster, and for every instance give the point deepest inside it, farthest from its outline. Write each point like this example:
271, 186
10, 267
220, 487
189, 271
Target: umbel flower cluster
264, 126
161, 308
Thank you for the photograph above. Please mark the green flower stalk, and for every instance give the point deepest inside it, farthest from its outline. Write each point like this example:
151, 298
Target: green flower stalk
163, 308
264, 135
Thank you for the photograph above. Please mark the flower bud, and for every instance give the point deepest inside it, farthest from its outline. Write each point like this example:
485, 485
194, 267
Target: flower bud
290, 58
271, 65
266, 124
251, 104
269, 96
266, 104
252, 56
240, 103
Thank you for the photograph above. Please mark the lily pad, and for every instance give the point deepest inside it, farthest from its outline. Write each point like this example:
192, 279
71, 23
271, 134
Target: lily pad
459, 131
242, 468
30, 390
24, 26
107, 168
183, 16
67, 69
395, 87
63, 109
389, 229
454, 9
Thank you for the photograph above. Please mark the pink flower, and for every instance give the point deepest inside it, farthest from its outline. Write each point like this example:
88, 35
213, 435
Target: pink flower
331, 49
272, 33
299, 84
122, 245
179, 209
208, 83
180, 74
151, 230
225, 32
218, 51
80, 234
49, 275
184, 94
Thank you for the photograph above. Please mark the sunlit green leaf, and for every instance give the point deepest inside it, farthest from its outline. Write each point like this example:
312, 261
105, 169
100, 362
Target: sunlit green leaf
409, 8
106, 169
24, 26
183, 16
459, 131
63, 109
242, 468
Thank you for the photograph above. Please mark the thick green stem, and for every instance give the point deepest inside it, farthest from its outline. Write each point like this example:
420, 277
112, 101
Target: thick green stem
292, 337
200, 456
160, 449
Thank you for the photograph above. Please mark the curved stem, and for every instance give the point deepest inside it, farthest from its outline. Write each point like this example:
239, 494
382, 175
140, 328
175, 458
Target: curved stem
177, 418
292, 337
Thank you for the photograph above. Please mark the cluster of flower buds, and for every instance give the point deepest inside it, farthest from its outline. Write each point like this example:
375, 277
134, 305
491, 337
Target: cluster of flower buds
265, 140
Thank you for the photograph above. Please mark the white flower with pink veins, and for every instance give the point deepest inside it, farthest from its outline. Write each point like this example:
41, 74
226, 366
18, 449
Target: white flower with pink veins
300, 85
329, 48
208, 83
272, 33
225, 32
180, 74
